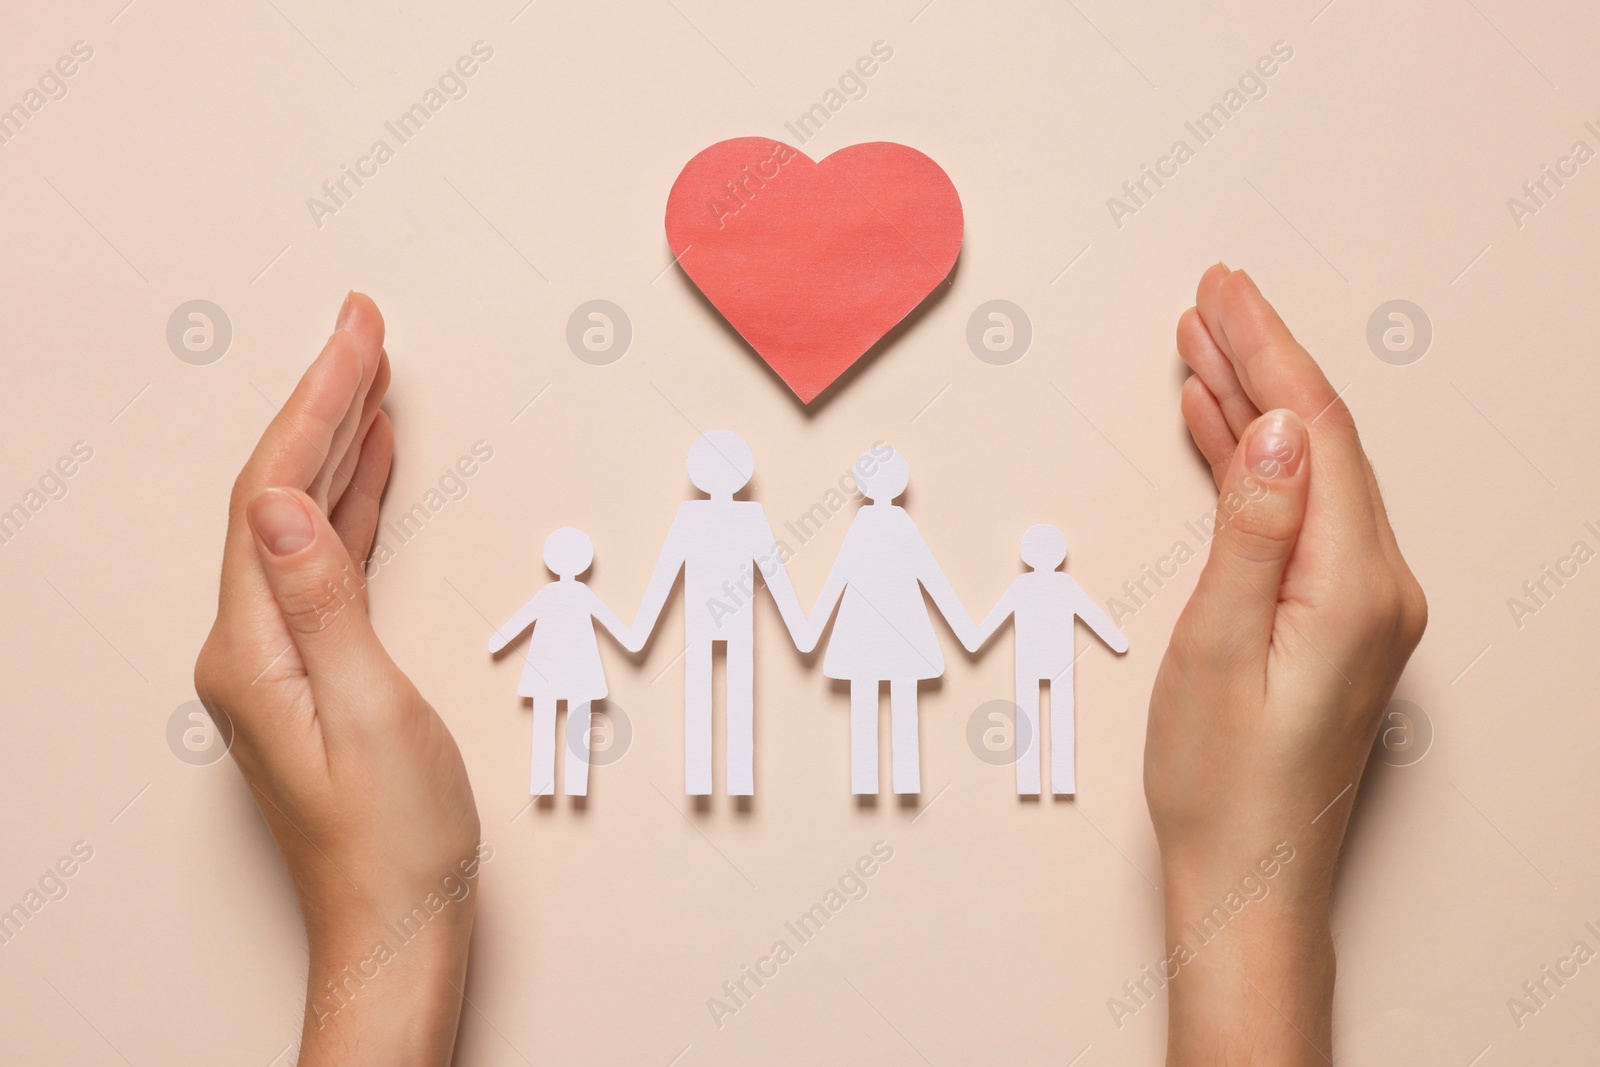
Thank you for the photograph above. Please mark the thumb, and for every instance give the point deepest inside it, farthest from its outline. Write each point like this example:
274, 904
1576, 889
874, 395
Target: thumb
1261, 506
320, 592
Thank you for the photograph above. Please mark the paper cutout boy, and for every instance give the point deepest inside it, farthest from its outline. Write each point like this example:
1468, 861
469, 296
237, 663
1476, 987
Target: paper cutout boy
563, 663
1044, 604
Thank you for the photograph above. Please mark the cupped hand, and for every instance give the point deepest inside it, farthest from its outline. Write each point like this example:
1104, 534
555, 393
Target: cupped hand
358, 778
1271, 692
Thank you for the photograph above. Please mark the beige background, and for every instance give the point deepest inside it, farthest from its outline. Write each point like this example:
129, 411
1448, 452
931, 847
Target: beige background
178, 167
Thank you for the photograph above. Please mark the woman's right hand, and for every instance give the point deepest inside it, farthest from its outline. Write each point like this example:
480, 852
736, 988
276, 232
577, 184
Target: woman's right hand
1271, 693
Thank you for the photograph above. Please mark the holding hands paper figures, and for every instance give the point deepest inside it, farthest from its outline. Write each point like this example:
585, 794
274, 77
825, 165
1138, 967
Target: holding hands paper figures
563, 659
1044, 604
882, 632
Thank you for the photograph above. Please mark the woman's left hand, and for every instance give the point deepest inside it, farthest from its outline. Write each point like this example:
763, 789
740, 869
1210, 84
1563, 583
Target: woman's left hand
357, 777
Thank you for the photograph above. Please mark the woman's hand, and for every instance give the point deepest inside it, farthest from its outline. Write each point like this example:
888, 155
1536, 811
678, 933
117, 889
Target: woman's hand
1271, 692
357, 777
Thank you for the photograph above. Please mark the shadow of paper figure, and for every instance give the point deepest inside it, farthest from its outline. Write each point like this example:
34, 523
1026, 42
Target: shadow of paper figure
563, 659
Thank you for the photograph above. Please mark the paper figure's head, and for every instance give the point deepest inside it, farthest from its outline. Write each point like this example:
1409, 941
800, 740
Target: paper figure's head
882, 478
568, 552
1044, 548
720, 463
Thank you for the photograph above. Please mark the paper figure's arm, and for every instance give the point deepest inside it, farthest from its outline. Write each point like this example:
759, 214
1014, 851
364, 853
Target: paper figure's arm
822, 611
949, 605
1098, 621
517, 623
661, 583
627, 636
1003, 609
779, 584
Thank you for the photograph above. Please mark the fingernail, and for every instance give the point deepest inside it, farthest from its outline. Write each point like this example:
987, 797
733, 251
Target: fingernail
345, 310
1277, 446
1224, 266
281, 522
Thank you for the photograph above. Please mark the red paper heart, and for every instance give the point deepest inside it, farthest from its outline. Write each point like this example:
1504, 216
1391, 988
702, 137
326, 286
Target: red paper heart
813, 262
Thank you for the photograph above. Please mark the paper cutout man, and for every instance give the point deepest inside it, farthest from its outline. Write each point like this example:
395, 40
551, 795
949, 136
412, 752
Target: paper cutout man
563, 663
722, 545
883, 633
1043, 604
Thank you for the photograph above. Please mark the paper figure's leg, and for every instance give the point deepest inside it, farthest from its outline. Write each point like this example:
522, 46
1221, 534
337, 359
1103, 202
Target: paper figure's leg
1030, 749
741, 770
697, 719
1063, 747
903, 735
863, 737
576, 769
542, 781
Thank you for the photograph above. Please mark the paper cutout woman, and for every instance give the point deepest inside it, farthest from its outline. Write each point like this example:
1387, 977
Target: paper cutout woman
1044, 605
563, 659
883, 633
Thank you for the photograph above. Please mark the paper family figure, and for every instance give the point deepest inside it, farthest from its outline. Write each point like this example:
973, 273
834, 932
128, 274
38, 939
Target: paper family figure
1043, 604
563, 662
723, 547
883, 632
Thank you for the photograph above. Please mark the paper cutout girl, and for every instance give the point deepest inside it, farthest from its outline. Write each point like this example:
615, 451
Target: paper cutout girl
883, 632
563, 663
1044, 604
